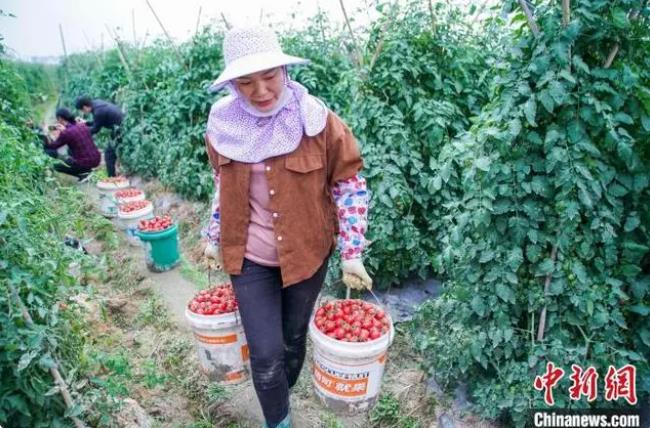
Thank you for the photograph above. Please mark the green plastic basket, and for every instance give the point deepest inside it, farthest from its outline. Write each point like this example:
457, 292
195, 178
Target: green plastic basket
161, 248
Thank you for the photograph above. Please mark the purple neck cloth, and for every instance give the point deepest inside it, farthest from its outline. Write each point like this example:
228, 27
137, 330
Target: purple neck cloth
240, 133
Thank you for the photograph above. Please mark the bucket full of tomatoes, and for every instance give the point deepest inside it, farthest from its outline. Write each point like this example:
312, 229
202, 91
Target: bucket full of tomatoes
351, 339
125, 196
107, 188
129, 216
159, 236
213, 316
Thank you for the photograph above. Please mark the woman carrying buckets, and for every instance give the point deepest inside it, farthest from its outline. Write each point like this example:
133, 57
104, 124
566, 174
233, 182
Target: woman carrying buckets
287, 185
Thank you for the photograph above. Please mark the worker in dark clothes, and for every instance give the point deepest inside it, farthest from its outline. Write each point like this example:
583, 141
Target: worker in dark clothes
83, 155
105, 115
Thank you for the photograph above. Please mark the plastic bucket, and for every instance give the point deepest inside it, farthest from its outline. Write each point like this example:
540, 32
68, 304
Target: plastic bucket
129, 222
161, 248
107, 204
126, 200
222, 346
347, 375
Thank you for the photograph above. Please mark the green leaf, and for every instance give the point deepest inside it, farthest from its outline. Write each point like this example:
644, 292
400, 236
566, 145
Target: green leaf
486, 256
640, 309
483, 163
631, 223
545, 268
619, 18
477, 305
505, 293
645, 122
530, 111
566, 75
26, 359
546, 100
623, 118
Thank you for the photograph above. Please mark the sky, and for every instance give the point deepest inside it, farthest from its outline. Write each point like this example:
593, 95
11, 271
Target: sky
34, 32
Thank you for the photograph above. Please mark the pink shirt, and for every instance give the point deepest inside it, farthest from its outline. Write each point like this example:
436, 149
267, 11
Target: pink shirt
260, 245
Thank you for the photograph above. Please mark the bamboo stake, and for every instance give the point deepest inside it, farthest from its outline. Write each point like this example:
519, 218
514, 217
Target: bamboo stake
54, 370
529, 17
547, 284
135, 39
612, 54
65, 51
380, 45
225, 21
320, 22
354, 40
91, 47
566, 12
174, 47
566, 17
196, 31
433, 17
65, 57
120, 53
198, 21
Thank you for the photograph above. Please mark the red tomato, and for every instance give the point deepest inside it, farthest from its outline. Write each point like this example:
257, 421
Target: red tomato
351, 320
209, 302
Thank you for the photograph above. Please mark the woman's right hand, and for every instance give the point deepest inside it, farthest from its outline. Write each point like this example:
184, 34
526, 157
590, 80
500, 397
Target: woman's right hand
213, 258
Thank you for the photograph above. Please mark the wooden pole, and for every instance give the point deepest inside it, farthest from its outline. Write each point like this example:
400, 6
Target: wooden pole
135, 39
547, 284
198, 21
566, 12
433, 17
65, 58
566, 17
174, 47
529, 16
225, 21
380, 44
353, 38
54, 370
65, 51
120, 53
91, 47
612, 54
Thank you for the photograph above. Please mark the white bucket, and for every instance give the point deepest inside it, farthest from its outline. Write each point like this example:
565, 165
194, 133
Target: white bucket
122, 201
222, 346
347, 375
129, 222
107, 204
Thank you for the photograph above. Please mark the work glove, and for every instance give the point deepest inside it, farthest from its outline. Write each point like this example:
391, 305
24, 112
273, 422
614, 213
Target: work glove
213, 256
355, 275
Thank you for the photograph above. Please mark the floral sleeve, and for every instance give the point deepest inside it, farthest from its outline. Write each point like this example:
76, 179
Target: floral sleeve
351, 198
213, 231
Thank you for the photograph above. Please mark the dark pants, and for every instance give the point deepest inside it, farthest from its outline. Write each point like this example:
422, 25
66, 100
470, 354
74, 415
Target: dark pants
71, 169
53, 153
110, 155
275, 322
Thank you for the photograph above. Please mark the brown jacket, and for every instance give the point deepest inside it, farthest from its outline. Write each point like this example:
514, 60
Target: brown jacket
305, 215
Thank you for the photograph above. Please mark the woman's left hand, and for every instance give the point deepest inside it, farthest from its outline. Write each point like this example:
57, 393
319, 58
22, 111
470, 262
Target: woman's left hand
355, 275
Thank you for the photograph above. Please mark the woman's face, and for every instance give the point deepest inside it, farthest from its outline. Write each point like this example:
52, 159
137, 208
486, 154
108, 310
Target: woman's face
263, 89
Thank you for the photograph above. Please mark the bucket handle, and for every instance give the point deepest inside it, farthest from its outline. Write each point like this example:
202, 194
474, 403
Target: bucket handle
347, 295
381, 305
237, 317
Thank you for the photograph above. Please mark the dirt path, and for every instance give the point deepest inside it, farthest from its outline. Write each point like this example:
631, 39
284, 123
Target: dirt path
403, 384
176, 290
